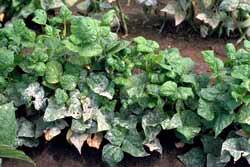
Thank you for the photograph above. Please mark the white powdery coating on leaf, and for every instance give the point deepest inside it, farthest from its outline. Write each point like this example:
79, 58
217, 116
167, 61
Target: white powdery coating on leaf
37, 92
148, 2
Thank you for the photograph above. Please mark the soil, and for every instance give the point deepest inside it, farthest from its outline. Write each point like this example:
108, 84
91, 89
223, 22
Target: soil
58, 153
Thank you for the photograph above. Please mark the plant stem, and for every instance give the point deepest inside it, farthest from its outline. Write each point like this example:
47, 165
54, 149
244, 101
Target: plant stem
64, 29
122, 16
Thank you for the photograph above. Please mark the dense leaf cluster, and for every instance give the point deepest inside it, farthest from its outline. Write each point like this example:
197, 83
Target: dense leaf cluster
77, 74
208, 16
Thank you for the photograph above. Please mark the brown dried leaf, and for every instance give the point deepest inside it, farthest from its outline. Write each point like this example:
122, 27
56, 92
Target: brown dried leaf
49, 134
95, 140
111, 1
1, 16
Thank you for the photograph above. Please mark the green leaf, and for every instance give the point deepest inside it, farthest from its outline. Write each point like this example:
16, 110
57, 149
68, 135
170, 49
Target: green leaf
53, 72
231, 51
112, 154
108, 18
133, 144
212, 145
8, 124
206, 110
243, 116
241, 72
10, 152
146, 46
169, 88
116, 135
188, 132
61, 96
193, 158
90, 27
40, 17
214, 63
65, 13
172, 123
54, 111
222, 121
68, 82
100, 84
6, 58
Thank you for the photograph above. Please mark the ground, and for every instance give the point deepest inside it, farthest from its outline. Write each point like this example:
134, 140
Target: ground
60, 154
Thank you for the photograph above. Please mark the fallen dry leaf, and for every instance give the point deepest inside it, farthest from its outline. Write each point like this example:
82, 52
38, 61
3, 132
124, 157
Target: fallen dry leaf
1, 16
95, 140
49, 134
111, 1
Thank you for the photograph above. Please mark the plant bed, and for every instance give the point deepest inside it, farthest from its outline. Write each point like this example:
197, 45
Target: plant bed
76, 76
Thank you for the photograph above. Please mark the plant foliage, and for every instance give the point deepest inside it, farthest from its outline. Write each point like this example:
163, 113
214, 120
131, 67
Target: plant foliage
126, 92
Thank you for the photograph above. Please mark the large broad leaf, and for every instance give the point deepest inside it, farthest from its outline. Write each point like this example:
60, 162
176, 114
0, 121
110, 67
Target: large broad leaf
112, 154
172, 123
8, 125
212, 145
90, 33
236, 147
100, 84
193, 158
206, 110
10, 152
229, 5
133, 144
146, 46
214, 63
244, 115
53, 72
6, 58
54, 111
116, 135
68, 82
40, 17
169, 88
35, 93
222, 121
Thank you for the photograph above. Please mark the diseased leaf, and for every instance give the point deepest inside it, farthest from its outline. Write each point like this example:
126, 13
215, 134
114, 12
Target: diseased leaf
236, 147
40, 17
133, 144
53, 72
100, 84
206, 110
8, 124
61, 96
95, 140
222, 121
193, 158
78, 140
112, 154
154, 145
172, 123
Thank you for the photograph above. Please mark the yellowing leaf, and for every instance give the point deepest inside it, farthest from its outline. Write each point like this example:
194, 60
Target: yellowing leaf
1, 16
49, 134
95, 141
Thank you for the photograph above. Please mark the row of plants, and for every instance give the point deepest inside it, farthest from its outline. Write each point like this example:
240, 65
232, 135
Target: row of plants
75, 74
220, 16
207, 17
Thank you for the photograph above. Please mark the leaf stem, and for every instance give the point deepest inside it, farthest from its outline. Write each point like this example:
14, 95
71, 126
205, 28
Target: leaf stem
122, 16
